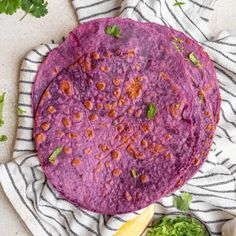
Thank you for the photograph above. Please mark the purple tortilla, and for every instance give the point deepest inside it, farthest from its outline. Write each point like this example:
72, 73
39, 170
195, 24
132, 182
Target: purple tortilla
94, 106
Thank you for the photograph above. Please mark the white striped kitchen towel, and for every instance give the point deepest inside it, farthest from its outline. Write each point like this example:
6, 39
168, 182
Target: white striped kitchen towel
213, 187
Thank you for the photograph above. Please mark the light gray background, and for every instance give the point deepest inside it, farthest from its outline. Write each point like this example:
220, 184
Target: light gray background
16, 39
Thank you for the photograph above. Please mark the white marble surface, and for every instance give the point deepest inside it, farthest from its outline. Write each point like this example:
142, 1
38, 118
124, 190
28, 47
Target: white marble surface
16, 39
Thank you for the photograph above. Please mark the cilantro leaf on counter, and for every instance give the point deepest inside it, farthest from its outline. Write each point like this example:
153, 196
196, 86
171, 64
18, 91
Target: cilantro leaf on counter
37, 8
113, 30
182, 202
52, 158
151, 110
3, 138
9, 7
2, 97
25, 5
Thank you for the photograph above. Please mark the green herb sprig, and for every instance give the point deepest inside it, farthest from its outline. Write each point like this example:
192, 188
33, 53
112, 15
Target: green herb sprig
151, 111
2, 98
3, 138
9, 6
179, 3
192, 57
133, 173
52, 158
183, 201
37, 8
113, 30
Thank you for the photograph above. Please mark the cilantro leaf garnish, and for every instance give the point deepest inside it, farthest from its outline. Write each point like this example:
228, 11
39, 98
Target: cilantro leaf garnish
179, 3
113, 30
21, 111
52, 158
151, 111
2, 97
183, 201
133, 173
9, 6
3, 138
192, 57
37, 8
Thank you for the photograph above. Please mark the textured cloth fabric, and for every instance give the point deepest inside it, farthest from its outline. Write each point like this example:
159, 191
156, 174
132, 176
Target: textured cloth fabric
213, 188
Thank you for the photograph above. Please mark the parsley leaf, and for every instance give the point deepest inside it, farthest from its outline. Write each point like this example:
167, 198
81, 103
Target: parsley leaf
179, 3
113, 30
183, 201
9, 6
25, 5
2, 97
21, 111
151, 111
37, 8
3, 138
52, 158
192, 57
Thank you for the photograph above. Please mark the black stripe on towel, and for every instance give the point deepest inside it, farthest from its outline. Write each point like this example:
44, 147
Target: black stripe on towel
37, 52
28, 70
137, 11
92, 217
100, 13
36, 201
24, 105
231, 106
23, 201
27, 158
24, 150
92, 5
201, 6
25, 82
25, 93
32, 61
25, 128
